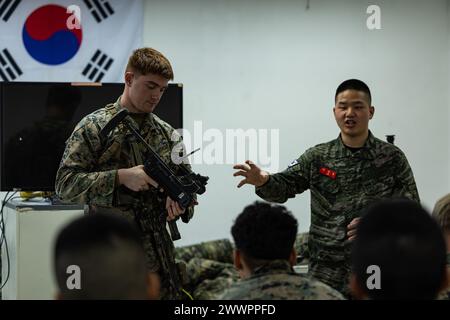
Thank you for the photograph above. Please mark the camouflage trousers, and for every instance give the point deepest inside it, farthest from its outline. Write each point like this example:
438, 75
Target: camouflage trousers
171, 287
334, 274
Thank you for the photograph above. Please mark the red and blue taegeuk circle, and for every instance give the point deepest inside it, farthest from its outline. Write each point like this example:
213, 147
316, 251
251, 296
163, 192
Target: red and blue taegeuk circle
47, 38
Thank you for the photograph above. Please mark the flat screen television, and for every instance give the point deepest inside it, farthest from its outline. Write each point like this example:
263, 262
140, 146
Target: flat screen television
36, 119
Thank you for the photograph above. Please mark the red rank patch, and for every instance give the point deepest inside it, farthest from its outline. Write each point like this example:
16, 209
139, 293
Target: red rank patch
328, 172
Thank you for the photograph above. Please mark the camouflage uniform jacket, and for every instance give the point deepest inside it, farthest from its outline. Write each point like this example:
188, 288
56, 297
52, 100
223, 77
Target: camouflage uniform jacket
210, 268
88, 174
342, 184
208, 279
278, 281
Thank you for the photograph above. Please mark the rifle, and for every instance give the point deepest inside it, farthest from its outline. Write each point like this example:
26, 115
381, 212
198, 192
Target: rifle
181, 189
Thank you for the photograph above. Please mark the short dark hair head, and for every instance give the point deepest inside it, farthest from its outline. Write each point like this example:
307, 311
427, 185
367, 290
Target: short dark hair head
402, 239
109, 253
354, 84
265, 231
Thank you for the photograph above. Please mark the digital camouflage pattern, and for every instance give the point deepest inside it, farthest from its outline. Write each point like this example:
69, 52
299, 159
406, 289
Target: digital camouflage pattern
209, 266
207, 279
278, 281
222, 250
87, 174
219, 250
342, 184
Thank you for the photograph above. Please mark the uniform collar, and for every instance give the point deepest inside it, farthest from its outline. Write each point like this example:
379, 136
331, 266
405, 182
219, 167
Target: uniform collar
148, 122
366, 152
274, 266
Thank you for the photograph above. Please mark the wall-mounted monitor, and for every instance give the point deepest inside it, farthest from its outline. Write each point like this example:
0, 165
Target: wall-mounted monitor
36, 119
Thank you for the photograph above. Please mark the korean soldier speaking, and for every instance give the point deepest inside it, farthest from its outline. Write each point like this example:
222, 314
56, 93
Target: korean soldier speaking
344, 176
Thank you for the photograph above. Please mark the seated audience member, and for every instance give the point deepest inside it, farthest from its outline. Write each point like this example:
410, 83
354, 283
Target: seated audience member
399, 253
208, 279
105, 252
210, 269
441, 213
220, 250
264, 255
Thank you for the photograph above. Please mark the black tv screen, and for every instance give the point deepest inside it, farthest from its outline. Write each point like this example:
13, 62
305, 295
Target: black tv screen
37, 118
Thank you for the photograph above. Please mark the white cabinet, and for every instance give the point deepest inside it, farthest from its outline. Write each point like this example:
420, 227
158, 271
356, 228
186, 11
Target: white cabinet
31, 231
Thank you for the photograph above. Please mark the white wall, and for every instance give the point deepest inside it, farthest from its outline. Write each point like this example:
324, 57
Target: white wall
274, 64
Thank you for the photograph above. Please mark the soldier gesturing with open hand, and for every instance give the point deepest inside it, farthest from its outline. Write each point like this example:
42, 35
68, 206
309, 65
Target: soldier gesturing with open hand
252, 173
344, 176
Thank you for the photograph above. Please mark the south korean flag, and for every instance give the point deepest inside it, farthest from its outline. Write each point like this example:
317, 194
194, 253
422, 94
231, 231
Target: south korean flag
68, 40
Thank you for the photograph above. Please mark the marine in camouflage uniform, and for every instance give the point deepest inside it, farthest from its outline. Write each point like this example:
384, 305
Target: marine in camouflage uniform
219, 250
88, 174
208, 279
210, 269
342, 183
277, 280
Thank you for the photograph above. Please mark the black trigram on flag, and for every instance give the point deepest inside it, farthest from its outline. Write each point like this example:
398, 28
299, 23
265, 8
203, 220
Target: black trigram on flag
100, 9
97, 67
9, 70
7, 7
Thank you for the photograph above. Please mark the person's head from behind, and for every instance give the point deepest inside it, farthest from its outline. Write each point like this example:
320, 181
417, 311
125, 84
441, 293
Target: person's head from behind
353, 108
101, 257
147, 75
441, 213
399, 253
262, 233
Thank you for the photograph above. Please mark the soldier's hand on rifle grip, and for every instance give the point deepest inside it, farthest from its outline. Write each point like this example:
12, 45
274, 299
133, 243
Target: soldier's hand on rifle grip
173, 209
135, 178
